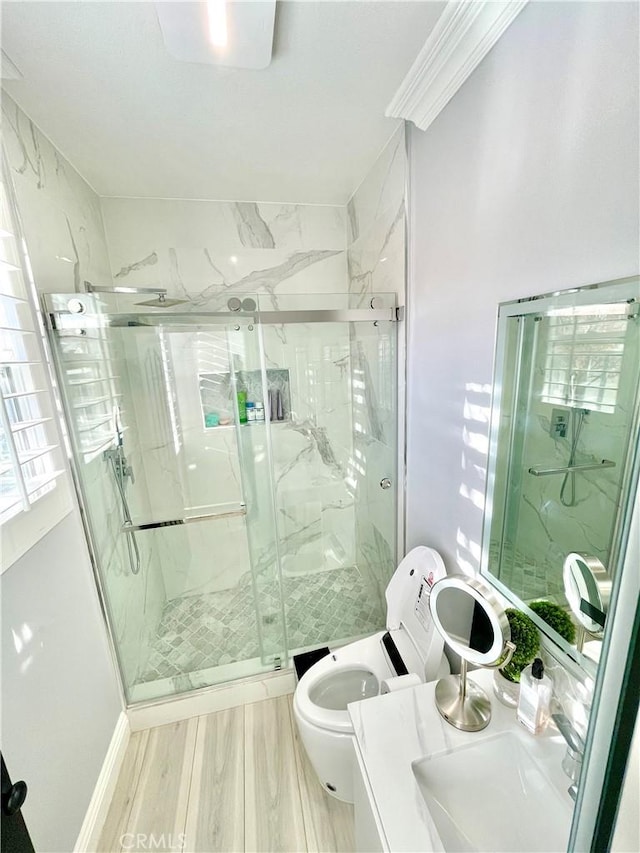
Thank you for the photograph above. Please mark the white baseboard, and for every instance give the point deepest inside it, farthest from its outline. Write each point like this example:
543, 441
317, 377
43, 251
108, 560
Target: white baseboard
105, 786
211, 699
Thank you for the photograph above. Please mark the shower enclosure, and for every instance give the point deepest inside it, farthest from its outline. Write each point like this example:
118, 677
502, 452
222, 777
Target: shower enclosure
237, 475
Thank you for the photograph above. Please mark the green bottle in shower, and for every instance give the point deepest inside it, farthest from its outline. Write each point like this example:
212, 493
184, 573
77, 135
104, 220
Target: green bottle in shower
242, 407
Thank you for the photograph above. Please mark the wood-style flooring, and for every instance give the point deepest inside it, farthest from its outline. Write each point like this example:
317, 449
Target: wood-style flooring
236, 780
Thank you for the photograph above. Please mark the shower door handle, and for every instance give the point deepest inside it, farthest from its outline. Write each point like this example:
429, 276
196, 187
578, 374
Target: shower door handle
569, 469
385, 483
129, 526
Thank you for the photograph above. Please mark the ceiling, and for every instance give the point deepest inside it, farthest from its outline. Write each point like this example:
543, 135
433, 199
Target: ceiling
135, 122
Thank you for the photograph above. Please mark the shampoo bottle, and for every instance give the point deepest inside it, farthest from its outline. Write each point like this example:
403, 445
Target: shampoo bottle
535, 697
242, 407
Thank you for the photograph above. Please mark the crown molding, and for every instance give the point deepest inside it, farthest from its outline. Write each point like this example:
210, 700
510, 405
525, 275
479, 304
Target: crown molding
463, 35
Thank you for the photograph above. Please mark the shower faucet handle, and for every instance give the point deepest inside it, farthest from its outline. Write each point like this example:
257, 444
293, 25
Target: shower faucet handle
115, 455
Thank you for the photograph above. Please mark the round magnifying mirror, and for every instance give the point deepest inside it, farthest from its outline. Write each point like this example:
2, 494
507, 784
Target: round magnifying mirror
475, 626
470, 619
587, 587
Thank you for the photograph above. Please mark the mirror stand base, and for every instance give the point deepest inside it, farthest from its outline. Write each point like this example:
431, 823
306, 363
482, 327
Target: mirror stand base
462, 703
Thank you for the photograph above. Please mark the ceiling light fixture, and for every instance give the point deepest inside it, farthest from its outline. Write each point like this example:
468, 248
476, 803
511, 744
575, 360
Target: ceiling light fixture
217, 15
235, 34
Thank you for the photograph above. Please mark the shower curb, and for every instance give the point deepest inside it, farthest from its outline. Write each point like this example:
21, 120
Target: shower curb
211, 699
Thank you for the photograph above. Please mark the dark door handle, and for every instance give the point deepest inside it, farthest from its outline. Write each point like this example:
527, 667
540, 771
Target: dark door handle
13, 798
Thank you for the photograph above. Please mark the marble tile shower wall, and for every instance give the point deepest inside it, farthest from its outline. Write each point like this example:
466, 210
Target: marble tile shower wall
376, 231
206, 252
313, 448
64, 231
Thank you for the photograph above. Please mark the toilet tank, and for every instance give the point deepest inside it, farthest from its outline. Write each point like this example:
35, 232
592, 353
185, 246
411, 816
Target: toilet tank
408, 616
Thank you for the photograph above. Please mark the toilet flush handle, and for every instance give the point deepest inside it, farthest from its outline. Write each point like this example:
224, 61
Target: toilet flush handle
385, 483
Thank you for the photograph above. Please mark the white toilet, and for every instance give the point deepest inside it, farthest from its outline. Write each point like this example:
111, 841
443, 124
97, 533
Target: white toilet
410, 644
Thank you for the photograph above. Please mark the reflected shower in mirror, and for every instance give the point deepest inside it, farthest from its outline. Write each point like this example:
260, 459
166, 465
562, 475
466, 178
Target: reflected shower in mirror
563, 447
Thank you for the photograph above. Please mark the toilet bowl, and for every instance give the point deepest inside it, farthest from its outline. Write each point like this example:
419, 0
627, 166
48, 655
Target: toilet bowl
355, 672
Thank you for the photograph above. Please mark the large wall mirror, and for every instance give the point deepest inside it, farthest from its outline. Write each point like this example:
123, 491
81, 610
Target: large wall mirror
564, 454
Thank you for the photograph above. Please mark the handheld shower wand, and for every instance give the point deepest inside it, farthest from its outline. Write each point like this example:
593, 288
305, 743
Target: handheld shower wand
121, 471
577, 422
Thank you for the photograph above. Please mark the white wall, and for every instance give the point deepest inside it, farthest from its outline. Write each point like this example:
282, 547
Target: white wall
527, 182
60, 702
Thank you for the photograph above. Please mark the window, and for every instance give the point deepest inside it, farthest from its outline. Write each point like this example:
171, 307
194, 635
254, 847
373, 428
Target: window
584, 354
34, 491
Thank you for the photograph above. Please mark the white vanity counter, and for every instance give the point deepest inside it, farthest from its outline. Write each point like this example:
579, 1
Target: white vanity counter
393, 730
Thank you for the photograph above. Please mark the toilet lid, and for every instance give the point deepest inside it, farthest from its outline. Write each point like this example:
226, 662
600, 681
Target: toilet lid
408, 605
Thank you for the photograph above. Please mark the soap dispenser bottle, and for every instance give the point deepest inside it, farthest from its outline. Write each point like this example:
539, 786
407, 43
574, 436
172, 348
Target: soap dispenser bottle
535, 697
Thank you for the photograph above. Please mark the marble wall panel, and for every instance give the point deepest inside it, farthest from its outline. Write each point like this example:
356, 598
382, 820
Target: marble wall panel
60, 213
311, 452
376, 229
135, 225
207, 252
382, 193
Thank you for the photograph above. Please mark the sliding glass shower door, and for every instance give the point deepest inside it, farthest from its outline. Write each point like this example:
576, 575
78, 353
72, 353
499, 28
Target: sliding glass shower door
334, 468
237, 476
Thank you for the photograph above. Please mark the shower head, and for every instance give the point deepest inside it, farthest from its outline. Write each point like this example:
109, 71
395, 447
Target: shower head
161, 301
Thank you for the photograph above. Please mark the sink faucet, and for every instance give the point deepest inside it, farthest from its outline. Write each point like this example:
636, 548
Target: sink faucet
572, 762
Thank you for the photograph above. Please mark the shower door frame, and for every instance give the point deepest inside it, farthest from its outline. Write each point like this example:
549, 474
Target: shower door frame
52, 315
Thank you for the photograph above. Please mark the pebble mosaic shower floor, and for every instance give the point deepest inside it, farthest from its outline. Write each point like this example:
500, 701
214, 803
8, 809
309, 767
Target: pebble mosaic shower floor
213, 629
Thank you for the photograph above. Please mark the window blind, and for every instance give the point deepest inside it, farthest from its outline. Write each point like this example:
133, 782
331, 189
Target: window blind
30, 456
583, 360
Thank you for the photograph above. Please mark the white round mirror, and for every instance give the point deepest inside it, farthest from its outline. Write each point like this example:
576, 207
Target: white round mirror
587, 587
474, 625
470, 619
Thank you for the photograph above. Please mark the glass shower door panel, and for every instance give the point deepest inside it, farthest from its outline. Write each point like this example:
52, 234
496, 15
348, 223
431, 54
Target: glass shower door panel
92, 372
250, 390
164, 499
336, 532
208, 630
374, 370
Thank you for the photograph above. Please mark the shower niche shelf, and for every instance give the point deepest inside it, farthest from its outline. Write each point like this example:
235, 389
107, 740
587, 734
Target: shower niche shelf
217, 397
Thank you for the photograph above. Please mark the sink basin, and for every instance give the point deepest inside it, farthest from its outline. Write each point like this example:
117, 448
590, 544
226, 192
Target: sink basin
492, 795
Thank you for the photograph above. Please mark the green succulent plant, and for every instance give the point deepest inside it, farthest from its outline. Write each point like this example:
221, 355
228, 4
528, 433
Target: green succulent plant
527, 642
556, 617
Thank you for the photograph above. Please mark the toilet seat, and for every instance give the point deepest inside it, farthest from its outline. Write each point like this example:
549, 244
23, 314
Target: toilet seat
352, 660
